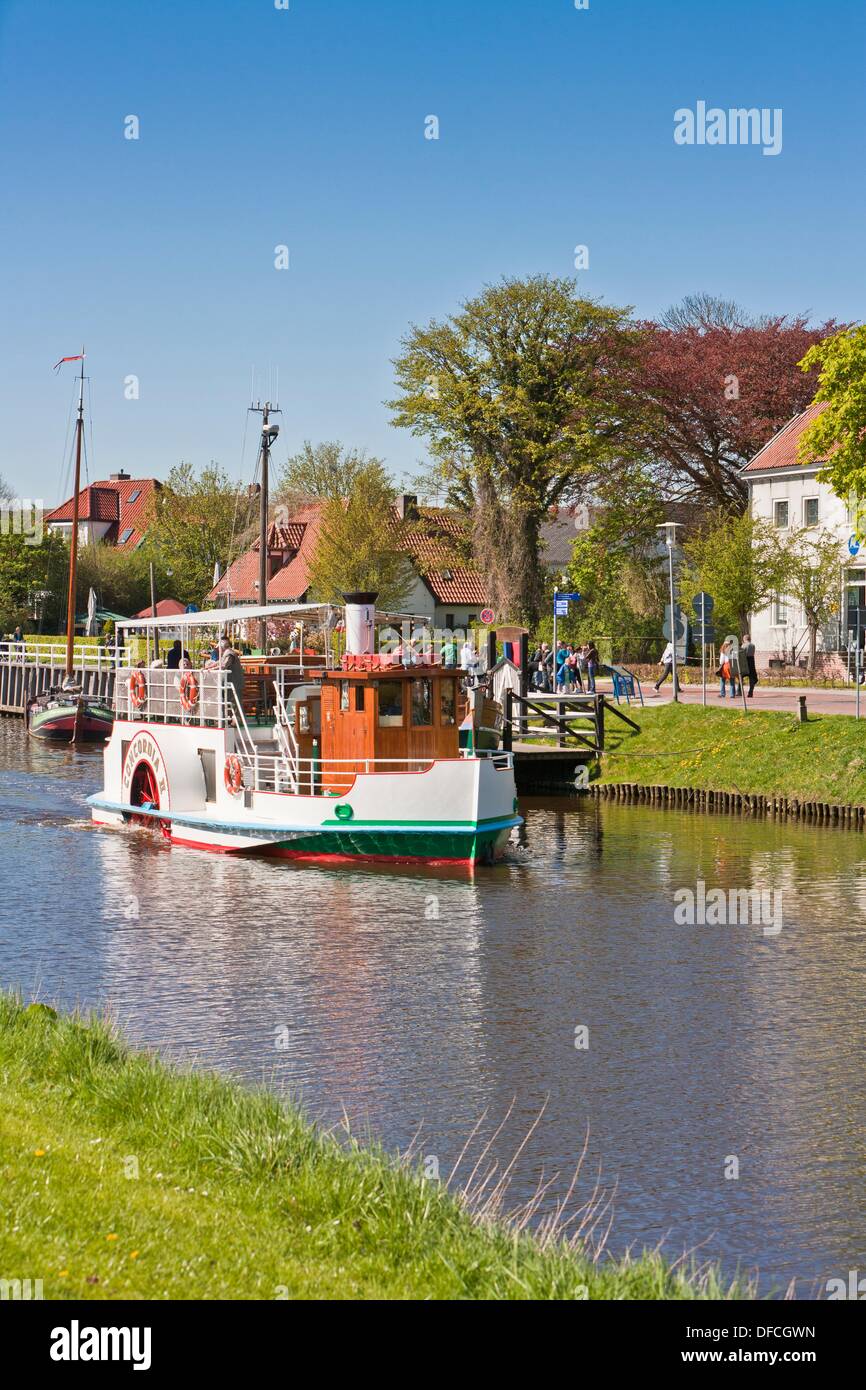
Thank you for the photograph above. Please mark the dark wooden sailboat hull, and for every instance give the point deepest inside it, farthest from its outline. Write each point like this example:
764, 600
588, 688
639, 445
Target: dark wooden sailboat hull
91, 723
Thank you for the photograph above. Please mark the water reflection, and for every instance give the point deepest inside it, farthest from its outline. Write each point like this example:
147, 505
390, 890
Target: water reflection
415, 999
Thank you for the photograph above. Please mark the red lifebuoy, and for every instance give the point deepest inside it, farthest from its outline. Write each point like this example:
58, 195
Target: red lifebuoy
233, 774
188, 690
137, 688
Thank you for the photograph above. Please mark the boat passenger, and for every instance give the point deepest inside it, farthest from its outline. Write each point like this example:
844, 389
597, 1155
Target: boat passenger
230, 661
175, 656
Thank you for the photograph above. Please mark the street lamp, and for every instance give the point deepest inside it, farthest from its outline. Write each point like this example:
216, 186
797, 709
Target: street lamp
670, 530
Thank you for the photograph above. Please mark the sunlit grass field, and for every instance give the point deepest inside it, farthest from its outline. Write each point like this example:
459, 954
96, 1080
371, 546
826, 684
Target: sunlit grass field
124, 1178
725, 750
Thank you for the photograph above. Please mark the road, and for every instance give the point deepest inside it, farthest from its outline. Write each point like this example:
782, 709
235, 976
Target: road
778, 698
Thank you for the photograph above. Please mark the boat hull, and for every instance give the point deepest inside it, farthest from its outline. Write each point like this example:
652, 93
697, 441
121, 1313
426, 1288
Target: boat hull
453, 811
93, 723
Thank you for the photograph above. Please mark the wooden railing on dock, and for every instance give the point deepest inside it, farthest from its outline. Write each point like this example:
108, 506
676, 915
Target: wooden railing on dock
576, 720
25, 674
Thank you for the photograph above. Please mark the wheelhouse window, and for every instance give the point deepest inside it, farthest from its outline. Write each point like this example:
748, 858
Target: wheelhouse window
422, 702
447, 702
780, 514
344, 694
359, 697
390, 704
810, 511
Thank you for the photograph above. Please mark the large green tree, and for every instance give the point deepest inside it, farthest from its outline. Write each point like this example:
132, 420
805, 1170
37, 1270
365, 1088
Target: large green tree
838, 435
25, 571
196, 520
358, 546
518, 397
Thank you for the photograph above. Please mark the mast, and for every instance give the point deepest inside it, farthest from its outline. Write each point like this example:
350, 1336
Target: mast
269, 434
73, 547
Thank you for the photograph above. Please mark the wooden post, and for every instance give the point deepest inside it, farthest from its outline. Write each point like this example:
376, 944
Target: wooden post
507, 741
599, 722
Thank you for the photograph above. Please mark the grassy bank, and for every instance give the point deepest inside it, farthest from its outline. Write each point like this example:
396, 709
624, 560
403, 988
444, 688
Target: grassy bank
755, 753
122, 1178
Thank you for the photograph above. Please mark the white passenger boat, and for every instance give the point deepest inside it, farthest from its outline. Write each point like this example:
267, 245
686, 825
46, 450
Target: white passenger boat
307, 756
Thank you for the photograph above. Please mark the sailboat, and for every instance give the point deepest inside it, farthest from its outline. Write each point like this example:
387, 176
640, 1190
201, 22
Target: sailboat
64, 711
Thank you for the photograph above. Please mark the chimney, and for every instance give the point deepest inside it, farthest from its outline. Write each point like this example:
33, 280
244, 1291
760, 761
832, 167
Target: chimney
360, 623
120, 477
407, 506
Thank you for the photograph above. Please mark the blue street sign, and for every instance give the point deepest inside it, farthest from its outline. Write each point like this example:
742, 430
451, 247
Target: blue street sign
853, 543
560, 607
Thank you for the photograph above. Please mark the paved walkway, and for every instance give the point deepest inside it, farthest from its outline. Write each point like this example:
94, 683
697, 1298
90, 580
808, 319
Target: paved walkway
766, 697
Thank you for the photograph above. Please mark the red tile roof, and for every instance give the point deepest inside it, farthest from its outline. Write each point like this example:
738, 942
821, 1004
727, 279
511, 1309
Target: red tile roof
290, 547
165, 608
122, 502
781, 450
430, 542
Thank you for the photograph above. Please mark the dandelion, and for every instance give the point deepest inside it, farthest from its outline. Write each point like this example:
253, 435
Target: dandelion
111, 1237
133, 1254
40, 1153
62, 1273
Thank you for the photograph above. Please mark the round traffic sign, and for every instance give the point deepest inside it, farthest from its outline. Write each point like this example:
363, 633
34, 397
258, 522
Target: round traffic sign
706, 600
487, 616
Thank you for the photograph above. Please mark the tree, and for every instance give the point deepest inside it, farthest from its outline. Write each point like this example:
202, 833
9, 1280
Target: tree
121, 578
716, 386
325, 471
358, 546
737, 559
814, 564
24, 570
838, 435
518, 396
6, 493
194, 522
617, 570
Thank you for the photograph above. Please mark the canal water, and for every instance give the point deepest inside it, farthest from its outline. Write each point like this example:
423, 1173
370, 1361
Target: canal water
716, 1069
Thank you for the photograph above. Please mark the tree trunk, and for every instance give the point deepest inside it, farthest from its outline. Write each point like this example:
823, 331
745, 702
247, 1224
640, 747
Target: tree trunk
506, 550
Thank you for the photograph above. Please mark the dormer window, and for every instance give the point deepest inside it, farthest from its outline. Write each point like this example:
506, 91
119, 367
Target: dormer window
125, 535
133, 496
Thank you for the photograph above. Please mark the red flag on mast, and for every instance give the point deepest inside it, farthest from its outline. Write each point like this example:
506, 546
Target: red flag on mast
79, 358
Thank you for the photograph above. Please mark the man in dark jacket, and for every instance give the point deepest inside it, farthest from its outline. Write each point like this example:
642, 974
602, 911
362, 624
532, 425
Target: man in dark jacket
747, 663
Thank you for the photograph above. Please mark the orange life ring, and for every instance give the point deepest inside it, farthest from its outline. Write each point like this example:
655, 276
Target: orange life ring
233, 774
188, 690
137, 688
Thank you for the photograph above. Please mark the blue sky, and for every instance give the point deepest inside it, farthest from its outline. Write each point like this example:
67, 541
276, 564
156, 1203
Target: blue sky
305, 127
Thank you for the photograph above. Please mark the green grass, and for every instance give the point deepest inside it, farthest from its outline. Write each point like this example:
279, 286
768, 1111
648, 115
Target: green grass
123, 1178
755, 753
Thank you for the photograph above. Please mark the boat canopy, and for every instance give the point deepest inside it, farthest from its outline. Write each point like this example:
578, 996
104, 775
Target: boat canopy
248, 612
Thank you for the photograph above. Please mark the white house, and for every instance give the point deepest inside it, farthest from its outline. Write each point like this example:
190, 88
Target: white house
788, 495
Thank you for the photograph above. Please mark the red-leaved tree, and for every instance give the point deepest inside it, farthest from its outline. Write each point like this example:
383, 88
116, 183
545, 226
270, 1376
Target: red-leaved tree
716, 386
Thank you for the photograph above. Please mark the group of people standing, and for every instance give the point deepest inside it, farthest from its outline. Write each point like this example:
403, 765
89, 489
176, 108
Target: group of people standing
731, 670
567, 669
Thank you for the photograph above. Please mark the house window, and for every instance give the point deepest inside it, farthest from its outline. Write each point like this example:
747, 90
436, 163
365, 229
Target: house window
390, 704
780, 514
780, 611
449, 621
447, 702
133, 496
810, 511
422, 702
125, 535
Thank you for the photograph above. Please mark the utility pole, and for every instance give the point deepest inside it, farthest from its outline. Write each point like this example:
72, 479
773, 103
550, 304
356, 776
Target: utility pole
269, 434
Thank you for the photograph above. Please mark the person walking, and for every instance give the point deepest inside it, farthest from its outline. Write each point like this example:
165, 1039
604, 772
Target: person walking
666, 661
747, 663
561, 666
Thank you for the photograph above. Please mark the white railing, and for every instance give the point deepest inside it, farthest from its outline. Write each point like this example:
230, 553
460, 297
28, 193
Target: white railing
90, 657
319, 777
161, 696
